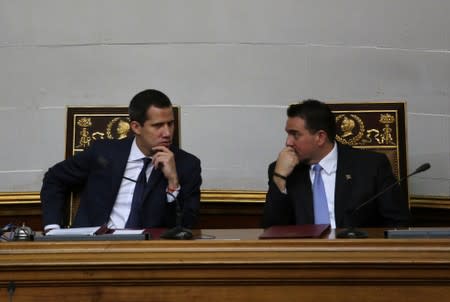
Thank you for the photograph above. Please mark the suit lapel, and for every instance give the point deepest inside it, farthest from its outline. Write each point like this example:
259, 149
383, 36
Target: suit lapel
343, 188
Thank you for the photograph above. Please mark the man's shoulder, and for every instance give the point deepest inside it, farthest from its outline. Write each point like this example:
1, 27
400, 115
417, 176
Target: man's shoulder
272, 165
114, 142
356, 153
183, 155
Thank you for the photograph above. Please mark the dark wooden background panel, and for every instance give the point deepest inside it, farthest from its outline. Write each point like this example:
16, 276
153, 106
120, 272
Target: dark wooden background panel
25, 208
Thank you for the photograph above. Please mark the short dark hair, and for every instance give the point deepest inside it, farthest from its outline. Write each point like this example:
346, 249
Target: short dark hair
317, 116
140, 103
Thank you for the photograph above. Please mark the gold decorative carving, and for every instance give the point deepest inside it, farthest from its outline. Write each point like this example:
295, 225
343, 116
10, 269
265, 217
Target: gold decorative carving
386, 137
347, 123
84, 122
85, 139
122, 128
369, 133
351, 130
98, 135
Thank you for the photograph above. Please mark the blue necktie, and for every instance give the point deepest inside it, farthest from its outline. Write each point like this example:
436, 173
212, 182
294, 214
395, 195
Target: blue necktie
134, 220
321, 215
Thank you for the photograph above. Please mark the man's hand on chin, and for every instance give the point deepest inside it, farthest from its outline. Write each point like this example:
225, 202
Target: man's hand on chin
164, 159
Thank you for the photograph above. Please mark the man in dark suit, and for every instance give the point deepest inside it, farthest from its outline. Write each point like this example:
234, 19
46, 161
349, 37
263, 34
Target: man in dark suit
111, 172
317, 180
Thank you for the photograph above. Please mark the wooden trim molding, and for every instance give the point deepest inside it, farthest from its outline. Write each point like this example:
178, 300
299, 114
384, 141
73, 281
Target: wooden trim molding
19, 198
228, 196
233, 196
436, 202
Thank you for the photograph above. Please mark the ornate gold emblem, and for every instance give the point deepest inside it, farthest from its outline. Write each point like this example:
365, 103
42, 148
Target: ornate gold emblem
383, 136
84, 122
85, 139
122, 127
352, 129
98, 135
386, 137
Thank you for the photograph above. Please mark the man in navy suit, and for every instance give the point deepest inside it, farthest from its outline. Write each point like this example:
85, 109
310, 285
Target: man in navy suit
345, 177
107, 174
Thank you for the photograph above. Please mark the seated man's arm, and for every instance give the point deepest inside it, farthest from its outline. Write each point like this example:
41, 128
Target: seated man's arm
278, 207
58, 182
189, 195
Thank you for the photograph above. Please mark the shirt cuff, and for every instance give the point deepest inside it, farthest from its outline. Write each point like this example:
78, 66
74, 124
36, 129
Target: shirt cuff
49, 227
171, 195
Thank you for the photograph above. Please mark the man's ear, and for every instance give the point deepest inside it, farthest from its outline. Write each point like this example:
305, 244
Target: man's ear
322, 137
135, 127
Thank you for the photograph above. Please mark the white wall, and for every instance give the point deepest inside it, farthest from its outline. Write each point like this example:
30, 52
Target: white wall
232, 66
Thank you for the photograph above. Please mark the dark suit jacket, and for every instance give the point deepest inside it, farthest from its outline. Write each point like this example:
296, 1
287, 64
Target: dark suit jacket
97, 172
360, 175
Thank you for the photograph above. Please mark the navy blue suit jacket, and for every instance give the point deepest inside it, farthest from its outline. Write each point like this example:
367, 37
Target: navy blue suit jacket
97, 173
360, 175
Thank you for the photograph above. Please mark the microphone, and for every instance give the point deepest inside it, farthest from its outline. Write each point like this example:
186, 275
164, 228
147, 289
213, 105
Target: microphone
11, 290
352, 232
178, 232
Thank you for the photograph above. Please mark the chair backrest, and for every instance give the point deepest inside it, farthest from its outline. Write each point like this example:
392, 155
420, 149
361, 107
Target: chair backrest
380, 127
87, 124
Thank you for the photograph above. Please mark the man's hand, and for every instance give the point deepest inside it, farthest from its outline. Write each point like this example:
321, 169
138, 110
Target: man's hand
286, 162
164, 159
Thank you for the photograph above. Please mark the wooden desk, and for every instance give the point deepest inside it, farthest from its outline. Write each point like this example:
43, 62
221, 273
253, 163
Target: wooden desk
233, 267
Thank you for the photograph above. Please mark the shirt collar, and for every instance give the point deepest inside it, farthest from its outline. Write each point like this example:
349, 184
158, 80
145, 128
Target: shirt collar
135, 152
329, 162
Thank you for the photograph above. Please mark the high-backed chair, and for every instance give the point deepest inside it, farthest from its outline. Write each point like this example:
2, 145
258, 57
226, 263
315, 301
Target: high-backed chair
380, 127
87, 124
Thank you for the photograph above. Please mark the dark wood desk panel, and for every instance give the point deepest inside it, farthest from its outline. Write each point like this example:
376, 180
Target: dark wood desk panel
233, 267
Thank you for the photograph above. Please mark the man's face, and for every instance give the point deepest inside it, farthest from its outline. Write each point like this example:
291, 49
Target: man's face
156, 131
301, 140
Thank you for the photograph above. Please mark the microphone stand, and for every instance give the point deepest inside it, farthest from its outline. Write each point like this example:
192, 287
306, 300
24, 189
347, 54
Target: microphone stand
178, 232
352, 232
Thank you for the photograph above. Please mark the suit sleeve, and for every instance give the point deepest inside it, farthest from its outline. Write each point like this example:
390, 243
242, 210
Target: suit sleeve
64, 177
392, 205
189, 196
278, 207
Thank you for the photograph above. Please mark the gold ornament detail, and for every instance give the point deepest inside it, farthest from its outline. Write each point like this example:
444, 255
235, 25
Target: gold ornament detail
98, 135
347, 124
85, 139
122, 129
376, 136
386, 136
84, 122
387, 118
